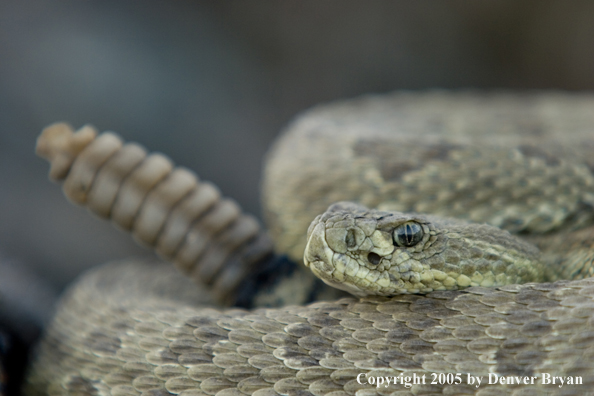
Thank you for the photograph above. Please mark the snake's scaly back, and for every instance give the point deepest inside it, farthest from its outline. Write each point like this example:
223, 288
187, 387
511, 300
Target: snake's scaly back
166, 207
123, 331
523, 163
131, 329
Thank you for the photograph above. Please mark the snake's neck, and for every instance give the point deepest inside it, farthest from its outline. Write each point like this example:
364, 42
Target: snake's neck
279, 282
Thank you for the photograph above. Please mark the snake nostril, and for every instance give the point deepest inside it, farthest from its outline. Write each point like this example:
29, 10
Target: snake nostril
350, 239
373, 258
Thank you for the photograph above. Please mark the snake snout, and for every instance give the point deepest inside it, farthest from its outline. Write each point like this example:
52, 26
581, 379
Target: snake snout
317, 255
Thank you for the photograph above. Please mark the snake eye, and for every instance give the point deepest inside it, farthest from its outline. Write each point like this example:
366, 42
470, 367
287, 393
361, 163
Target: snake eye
408, 234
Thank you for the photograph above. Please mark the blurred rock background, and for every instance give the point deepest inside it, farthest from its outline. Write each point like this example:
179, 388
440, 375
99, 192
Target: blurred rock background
210, 83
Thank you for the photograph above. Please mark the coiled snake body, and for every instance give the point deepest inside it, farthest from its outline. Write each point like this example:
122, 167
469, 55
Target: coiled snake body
520, 162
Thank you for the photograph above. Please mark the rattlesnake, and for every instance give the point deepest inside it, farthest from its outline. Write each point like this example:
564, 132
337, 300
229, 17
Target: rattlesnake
519, 162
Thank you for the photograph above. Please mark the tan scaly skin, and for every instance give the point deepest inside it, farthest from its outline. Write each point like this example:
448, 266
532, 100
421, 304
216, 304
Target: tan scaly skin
139, 329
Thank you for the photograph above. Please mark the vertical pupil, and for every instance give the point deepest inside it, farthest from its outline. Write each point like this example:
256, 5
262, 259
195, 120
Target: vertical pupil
408, 234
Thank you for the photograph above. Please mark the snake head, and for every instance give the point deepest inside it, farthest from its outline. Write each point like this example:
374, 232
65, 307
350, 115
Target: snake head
372, 252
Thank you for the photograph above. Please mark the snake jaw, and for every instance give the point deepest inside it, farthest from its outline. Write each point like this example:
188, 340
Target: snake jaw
334, 253
320, 259
339, 246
